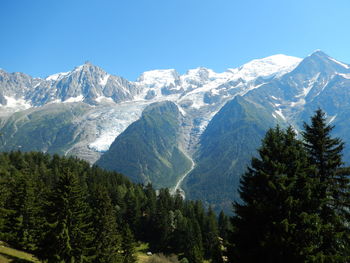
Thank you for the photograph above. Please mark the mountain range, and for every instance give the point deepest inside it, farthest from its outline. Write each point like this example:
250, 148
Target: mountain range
193, 132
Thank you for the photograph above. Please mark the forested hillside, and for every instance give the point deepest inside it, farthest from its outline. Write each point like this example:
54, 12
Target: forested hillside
62, 210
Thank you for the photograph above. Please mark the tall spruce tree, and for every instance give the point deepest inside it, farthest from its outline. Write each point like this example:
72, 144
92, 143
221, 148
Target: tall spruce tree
332, 192
66, 237
106, 243
128, 245
271, 223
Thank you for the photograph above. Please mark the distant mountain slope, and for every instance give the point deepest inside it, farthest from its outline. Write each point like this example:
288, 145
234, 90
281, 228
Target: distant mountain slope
149, 150
226, 147
113, 103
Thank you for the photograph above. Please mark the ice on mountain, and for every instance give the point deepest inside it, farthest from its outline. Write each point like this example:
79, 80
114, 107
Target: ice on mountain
345, 76
266, 67
57, 76
103, 99
74, 99
103, 81
280, 113
340, 63
112, 122
16, 104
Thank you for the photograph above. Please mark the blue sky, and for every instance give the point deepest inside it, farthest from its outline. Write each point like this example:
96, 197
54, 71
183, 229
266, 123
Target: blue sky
41, 37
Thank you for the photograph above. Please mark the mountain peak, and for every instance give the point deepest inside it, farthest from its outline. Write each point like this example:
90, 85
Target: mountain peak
86, 65
318, 61
318, 54
267, 67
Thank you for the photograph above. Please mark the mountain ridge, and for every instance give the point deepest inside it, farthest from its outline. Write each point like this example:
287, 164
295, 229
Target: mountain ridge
212, 116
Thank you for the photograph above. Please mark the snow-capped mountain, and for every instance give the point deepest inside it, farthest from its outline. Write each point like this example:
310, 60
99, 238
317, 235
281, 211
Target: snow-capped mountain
116, 102
86, 110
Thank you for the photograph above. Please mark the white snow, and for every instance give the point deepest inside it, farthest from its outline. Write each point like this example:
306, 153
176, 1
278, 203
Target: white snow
104, 99
266, 67
310, 85
157, 79
57, 76
113, 121
332, 119
74, 99
103, 81
280, 113
182, 111
340, 63
300, 102
160, 77
113, 118
345, 76
16, 104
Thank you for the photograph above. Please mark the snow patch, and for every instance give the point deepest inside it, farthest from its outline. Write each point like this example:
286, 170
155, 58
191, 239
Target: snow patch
332, 119
103, 81
279, 113
345, 76
57, 76
104, 99
340, 63
74, 99
266, 67
182, 111
16, 104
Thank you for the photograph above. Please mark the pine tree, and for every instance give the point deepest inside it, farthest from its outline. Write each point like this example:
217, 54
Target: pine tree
270, 224
66, 236
223, 225
128, 245
21, 222
211, 242
332, 193
106, 243
194, 244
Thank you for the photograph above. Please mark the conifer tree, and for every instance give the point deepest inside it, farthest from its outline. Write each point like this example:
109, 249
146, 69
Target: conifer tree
332, 192
270, 224
66, 236
194, 244
210, 235
21, 222
223, 225
106, 243
128, 245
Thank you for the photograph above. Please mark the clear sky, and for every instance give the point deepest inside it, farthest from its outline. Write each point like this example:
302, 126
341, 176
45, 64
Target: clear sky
127, 37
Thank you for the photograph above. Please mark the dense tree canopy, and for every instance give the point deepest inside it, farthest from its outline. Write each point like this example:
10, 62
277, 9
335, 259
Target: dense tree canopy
63, 210
295, 199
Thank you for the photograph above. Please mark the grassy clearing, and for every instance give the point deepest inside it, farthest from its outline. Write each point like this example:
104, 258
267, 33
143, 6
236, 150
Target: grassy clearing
142, 257
8, 254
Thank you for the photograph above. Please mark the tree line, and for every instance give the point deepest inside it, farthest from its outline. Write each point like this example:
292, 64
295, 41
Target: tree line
62, 210
295, 199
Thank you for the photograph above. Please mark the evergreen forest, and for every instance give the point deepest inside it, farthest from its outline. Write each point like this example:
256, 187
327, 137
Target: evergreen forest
63, 210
